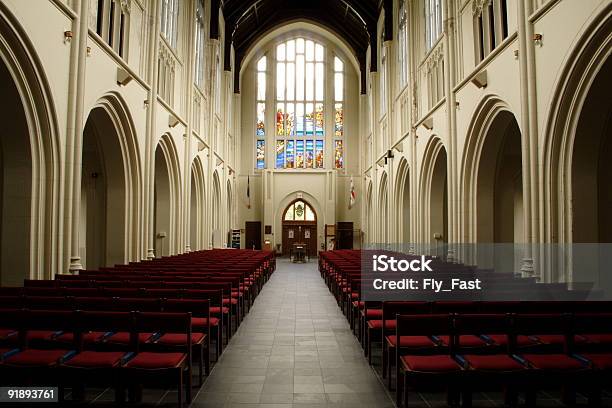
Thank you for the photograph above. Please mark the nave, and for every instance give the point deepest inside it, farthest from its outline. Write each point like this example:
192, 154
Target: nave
294, 349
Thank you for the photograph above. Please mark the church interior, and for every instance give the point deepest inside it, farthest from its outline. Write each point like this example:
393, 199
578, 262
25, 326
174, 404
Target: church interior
191, 193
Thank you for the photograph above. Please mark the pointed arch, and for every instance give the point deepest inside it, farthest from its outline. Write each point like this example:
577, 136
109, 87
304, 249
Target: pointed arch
433, 187
402, 202
383, 209
493, 146
167, 197
198, 214
38, 239
216, 226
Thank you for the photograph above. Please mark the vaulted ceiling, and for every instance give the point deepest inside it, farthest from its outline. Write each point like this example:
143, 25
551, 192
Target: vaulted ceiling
246, 21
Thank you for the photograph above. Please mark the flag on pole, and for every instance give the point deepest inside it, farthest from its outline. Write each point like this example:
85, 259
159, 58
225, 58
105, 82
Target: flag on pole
248, 192
352, 195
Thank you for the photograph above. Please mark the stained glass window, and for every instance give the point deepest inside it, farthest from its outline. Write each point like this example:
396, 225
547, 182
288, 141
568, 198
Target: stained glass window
338, 113
309, 154
300, 94
260, 124
261, 113
280, 154
319, 154
339, 120
261, 154
299, 211
338, 154
299, 154
290, 154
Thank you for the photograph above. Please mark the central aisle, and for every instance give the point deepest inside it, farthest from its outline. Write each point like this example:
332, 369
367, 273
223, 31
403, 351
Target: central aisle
294, 349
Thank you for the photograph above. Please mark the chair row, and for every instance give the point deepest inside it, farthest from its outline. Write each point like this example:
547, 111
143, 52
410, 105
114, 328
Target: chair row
467, 353
201, 322
166, 357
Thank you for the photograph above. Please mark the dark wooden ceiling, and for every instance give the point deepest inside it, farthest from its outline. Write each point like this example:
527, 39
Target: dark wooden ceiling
246, 21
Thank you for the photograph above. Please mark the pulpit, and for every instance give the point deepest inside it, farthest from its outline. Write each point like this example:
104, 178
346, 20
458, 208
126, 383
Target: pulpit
298, 252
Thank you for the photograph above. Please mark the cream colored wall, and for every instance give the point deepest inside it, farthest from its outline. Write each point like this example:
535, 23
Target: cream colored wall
79, 74
522, 77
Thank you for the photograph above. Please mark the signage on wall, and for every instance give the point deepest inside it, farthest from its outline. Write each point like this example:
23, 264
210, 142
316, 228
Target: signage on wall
307, 234
290, 234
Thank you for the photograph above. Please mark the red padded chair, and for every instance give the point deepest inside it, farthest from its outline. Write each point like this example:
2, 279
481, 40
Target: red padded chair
161, 367
91, 366
549, 369
425, 370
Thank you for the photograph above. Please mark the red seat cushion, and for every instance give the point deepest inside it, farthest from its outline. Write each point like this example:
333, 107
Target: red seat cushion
558, 339
360, 304
33, 357
4, 333
355, 295
179, 339
557, 362
411, 341
40, 335
495, 362
521, 341
199, 322
124, 337
233, 301
149, 360
464, 341
603, 361
598, 338
217, 310
95, 359
374, 314
377, 324
90, 337
430, 364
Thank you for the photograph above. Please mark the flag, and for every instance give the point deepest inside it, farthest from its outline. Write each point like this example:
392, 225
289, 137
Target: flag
248, 192
352, 195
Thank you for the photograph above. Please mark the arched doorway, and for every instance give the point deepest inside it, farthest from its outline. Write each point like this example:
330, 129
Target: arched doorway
300, 226
167, 199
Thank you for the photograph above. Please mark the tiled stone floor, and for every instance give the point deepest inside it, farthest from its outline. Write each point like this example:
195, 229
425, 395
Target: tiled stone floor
294, 349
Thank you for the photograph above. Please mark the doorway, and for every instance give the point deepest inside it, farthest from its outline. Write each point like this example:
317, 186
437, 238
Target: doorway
252, 237
300, 227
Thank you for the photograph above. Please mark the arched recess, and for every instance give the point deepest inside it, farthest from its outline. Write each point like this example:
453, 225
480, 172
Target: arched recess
434, 196
577, 150
230, 205
217, 235
29, 174
167, 198
110, 186
492, 174
576, 161
369, 215
383, 210
316, 207
403, 204
198, 206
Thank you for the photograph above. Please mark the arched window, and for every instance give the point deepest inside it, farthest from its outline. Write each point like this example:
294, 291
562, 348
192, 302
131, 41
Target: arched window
301, 125
299, 211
